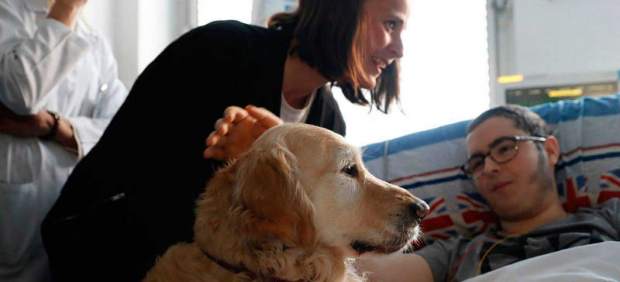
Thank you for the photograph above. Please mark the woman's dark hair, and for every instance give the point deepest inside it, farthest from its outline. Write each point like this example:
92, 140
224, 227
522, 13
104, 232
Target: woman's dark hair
325, 34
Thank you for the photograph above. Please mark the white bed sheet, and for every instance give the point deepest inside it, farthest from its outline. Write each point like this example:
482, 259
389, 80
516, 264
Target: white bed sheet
596, 262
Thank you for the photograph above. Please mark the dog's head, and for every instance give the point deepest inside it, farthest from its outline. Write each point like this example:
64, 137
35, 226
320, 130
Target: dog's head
304, 184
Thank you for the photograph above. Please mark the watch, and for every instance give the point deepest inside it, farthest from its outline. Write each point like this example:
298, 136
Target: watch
50, 135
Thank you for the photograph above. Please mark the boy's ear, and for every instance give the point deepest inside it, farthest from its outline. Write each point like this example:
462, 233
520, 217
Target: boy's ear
552, 147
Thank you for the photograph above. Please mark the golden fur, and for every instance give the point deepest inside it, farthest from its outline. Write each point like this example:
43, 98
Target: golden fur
297, 207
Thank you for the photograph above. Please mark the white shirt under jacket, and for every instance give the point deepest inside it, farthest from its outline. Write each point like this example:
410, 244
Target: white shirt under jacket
44, 65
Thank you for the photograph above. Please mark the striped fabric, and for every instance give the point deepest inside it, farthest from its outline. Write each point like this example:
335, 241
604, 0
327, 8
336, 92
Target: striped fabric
427, 164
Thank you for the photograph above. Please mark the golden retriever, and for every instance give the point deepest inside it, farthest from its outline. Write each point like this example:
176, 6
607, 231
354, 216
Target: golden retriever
296, 207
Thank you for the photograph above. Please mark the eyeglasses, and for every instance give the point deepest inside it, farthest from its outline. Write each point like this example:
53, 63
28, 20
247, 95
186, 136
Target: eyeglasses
501, 151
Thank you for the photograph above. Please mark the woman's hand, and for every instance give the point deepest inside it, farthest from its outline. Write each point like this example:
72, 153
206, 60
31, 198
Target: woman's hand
235, 132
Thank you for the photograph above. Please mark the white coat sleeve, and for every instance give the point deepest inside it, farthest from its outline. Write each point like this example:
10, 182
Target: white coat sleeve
32, 62
111, 96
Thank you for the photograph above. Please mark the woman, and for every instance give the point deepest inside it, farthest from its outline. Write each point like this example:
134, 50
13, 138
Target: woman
58, 91
371, 64
134, 193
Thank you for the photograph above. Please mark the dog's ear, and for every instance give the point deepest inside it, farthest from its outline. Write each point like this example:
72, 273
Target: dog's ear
269, 190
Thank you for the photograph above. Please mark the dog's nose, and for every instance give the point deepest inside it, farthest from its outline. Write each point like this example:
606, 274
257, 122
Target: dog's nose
419, 209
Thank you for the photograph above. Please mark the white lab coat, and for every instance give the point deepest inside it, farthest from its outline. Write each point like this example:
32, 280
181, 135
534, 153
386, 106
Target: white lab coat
46, 66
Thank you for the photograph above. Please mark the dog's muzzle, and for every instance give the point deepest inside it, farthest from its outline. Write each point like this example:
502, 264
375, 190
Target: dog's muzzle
418, 210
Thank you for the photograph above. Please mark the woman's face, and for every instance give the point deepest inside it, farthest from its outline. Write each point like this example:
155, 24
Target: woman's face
384, 23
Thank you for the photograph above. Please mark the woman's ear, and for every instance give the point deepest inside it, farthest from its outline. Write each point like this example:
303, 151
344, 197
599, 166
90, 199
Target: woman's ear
552, 147
269, 191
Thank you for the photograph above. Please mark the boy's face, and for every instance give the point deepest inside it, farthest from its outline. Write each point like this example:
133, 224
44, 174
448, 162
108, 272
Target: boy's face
519, 188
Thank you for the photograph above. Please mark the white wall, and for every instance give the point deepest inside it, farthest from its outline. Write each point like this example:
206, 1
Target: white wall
97, 14
138, 30
263, 9
553, 42
568, 36
213, 10
160, 22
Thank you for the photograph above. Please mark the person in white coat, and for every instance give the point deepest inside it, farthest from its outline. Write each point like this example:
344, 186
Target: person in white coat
58, 91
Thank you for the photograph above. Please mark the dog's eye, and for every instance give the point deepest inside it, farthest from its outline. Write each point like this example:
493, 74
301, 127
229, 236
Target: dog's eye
350, 170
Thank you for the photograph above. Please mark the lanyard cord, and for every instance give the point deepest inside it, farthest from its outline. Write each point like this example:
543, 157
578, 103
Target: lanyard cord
490, 249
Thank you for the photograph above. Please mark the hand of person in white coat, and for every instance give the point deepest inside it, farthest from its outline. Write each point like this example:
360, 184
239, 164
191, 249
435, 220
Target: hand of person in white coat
37, 125
66, 11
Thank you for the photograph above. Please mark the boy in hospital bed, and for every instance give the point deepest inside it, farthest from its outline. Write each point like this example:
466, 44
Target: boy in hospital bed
511, 160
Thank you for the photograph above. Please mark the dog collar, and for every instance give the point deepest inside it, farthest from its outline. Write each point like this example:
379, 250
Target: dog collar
235, 269
227, 266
